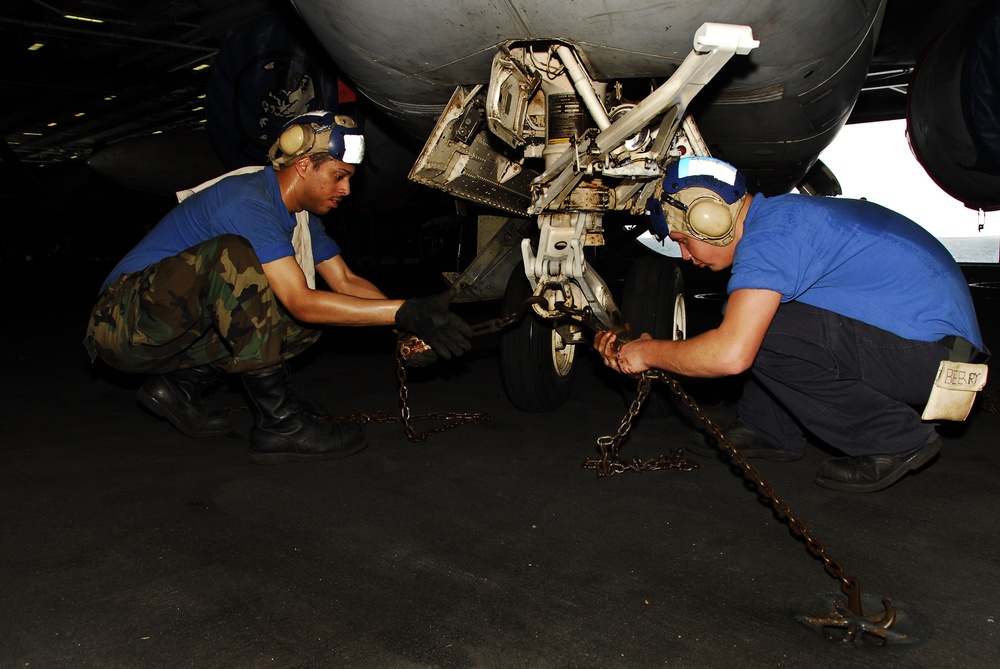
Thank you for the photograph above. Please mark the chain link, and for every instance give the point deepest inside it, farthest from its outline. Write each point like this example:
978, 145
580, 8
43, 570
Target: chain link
610, 462
452, 419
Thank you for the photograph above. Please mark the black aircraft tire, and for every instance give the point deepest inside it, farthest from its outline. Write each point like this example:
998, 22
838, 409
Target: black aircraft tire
535, 375
654, 294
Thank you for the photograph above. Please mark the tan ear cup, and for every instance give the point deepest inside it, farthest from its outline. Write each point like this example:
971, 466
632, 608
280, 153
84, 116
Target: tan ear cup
296, 140
710, 218
344, 121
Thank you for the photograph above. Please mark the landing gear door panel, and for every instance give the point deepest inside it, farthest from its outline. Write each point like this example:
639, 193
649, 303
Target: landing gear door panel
463, 158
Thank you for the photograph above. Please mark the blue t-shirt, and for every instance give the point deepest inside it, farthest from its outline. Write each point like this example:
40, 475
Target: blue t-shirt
248, 205
857, 259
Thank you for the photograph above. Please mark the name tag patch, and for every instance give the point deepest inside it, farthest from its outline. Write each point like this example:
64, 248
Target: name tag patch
954, 390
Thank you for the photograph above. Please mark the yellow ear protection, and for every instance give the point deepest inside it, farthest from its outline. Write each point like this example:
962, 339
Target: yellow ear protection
297, 140
704, 197
318, 132
702, 214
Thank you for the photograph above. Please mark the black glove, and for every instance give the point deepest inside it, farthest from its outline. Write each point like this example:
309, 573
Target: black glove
423, 359
429, 319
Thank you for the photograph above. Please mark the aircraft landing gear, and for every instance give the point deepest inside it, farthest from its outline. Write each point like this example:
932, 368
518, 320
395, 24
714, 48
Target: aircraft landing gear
536, 365
487, 145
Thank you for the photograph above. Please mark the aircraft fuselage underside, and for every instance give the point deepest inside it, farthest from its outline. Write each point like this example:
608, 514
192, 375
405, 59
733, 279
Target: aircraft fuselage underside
544, 140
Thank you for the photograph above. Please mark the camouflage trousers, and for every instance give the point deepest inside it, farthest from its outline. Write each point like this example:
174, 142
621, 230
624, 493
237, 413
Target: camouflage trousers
208, 305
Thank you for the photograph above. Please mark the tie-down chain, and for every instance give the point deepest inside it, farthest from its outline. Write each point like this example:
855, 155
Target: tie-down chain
854, 622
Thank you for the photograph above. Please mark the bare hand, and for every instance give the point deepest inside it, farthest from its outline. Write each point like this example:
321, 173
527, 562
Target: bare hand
627, 359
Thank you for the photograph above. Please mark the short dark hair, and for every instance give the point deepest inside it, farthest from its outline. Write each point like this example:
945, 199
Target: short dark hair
319, 158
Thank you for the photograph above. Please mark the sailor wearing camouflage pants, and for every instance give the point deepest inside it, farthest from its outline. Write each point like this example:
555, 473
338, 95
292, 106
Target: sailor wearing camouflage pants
209, 305
225, 282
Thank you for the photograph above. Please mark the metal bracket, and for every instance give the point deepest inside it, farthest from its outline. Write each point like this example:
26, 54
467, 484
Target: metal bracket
560, 260
714, 45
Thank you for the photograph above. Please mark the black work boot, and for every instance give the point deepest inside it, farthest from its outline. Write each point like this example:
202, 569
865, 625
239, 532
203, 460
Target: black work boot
176, 396
871, 473
284, 431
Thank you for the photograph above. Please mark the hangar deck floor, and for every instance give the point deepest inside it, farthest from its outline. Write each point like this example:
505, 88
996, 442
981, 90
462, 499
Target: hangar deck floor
125, 544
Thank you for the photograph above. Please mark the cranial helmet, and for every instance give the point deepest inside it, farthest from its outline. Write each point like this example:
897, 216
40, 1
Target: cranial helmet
318, 132
703, 197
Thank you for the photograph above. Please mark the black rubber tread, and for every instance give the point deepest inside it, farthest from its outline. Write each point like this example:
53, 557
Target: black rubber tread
651, 288
529, 374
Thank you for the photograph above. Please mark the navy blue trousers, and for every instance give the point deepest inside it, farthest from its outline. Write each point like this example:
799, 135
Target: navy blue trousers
852, 385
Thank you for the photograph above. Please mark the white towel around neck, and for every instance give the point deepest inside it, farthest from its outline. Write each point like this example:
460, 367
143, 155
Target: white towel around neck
301, 239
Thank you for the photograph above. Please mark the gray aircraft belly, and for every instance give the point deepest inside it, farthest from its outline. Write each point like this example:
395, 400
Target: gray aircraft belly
783, 103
